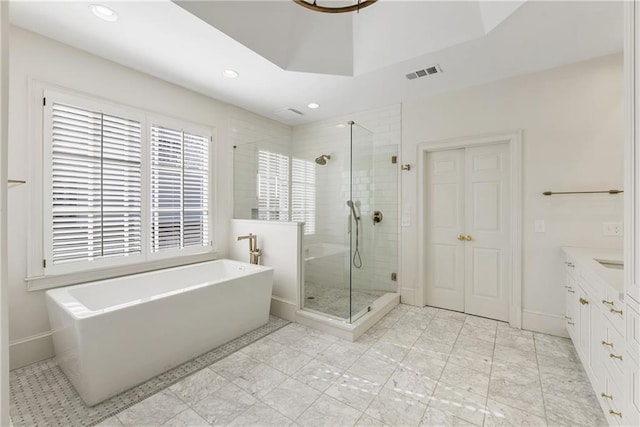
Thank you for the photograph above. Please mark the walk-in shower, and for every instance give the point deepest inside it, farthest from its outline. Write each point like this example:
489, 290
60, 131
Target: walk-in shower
342, 182
344, 258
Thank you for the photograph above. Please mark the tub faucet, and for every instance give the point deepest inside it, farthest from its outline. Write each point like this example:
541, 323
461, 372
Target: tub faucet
254, 252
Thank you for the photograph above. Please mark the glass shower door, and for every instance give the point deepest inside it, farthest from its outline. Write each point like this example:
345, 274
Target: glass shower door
360, 233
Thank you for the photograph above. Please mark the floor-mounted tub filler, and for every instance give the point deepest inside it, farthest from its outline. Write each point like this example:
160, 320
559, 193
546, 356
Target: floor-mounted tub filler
113, 334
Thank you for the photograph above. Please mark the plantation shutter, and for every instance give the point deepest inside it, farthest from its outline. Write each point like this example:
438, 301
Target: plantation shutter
96, 185
303, 194
179, 189
273, 186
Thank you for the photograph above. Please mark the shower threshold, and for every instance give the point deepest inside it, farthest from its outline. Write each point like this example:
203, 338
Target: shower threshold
340, 327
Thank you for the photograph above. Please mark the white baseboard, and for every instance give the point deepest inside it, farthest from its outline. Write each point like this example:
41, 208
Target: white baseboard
547, 323
30, 350
283, 309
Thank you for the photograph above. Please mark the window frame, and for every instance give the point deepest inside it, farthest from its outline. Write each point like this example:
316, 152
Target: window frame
53, 275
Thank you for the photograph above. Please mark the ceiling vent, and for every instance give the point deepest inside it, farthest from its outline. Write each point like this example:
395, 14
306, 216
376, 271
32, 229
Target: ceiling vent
289, 113
435, 69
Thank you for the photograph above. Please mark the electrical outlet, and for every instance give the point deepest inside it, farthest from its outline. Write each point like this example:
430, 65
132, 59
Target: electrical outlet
612, 228
538, 226
406, 221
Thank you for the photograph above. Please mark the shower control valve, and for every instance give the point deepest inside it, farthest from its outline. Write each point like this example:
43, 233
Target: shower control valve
377, 217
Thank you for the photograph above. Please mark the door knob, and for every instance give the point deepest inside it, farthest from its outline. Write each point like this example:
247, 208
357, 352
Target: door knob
469, 238
460, 237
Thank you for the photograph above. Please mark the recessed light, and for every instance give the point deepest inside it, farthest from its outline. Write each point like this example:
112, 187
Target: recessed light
104, 13
313, 105
230, 74
341, 125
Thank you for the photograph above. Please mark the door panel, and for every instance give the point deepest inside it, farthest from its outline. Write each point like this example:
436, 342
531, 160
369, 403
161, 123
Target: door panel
444, 268
487, 222
444, 253
486, 206
486, 269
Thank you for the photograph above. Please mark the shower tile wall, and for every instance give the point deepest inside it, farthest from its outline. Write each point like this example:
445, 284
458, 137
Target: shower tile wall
248, 131
324, 137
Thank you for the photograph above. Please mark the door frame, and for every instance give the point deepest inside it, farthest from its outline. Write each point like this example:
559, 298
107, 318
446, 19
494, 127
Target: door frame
514, 140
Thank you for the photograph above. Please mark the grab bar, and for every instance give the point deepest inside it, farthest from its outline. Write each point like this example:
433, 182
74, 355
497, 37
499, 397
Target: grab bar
551, 193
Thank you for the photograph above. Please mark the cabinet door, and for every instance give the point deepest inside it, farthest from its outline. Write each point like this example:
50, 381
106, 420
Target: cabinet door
584, 326
571, 318
596, 355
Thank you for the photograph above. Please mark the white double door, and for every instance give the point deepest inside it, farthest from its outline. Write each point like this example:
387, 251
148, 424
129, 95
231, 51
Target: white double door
468, 254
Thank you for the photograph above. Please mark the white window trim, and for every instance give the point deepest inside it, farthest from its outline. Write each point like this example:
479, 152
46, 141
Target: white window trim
40, 209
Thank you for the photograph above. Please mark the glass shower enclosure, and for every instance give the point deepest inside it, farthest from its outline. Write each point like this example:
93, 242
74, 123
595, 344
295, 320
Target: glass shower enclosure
351, 256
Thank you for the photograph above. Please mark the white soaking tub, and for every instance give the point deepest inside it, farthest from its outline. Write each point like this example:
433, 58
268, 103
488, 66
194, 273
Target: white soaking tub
113, 334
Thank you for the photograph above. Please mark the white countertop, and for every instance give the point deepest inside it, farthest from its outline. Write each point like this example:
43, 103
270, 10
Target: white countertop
587, 258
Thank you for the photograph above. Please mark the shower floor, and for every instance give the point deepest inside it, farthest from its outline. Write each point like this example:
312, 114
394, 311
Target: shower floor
335, 301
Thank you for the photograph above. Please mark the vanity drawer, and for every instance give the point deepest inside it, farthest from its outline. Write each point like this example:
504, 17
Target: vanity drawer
613, 354
614, 311
613, 403
571, 267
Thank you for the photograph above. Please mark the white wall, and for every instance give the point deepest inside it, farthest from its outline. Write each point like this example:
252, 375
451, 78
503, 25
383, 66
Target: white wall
280, 245
572, 123
35, 58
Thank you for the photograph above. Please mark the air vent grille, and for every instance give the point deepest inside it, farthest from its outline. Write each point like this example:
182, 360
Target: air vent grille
435, 69
289, 113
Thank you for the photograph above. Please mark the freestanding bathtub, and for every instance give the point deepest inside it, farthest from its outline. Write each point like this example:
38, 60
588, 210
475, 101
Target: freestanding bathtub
113, 334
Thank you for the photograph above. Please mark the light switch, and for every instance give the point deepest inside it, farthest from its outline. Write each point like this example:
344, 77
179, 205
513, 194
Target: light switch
538, 226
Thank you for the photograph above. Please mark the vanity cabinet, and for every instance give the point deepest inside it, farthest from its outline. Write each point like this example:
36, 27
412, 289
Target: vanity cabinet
597, 321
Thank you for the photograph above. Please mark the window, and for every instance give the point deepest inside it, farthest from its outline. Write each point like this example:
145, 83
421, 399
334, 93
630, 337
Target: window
273, 186
96, 185
303, 194
179, 189
118, 191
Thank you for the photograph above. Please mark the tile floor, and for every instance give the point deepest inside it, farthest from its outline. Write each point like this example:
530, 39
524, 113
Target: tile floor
417, 366
335, 301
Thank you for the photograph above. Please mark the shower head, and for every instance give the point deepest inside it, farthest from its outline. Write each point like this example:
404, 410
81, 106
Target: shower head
322, 160
353, 209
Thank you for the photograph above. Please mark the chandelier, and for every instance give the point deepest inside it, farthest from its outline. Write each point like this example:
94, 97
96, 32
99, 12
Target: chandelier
360, 4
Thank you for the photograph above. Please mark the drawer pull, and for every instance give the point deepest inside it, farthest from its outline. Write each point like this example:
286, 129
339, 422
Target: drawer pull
608, 344
615, 356
571, 323
613, 310
583, 301
617, 414
604, 301
571, 292
606, 396
568, 317
568, 287
570, 264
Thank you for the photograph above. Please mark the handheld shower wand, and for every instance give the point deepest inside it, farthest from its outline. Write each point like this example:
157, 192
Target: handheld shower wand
353, 209
357, 260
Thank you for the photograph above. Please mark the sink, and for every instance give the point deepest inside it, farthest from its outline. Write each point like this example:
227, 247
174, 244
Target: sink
614, 265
